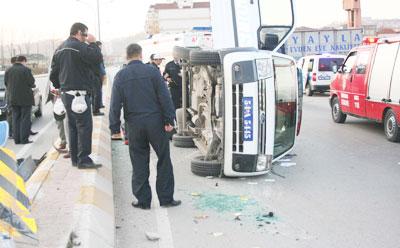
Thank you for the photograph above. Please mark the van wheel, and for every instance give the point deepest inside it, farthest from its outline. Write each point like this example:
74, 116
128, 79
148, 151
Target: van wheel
39, 112
337, 115
204, 58
391, 126
183, 52
309, 91
183, 141
205, 168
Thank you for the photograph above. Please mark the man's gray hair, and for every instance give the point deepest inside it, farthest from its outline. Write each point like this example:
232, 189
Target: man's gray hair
133, 50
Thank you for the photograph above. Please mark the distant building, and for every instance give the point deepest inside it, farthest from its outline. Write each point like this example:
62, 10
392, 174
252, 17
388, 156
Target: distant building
178, 16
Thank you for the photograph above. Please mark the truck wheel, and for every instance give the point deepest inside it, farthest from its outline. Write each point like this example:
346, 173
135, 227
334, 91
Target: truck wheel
205, 168
391, 126
309, 91
183, 141
182, 52
204, 58
337, 115
39, 112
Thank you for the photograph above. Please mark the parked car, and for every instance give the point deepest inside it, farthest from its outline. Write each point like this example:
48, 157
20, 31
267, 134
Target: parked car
318, 71
36, 109
368, 86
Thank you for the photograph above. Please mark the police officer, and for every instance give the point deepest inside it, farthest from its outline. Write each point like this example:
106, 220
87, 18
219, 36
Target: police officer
148, 110
173, 75
156, 60
70, 72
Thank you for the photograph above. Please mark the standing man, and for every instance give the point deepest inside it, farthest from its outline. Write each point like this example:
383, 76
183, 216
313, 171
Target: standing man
19, 82
9, 112
148, 110
156, 60
173, 75
70, 72
97, 77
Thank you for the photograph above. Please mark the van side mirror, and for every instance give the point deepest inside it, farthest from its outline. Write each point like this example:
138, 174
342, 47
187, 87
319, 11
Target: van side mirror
334, 68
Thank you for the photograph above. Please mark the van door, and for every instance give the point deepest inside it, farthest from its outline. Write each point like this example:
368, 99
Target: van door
394, 94
380, 78
359, 80
345, 78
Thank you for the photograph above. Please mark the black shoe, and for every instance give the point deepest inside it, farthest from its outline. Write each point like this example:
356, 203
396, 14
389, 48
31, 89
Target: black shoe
89, 166
173, 203
33, 133
102, 106
25, 142
140, 205
98, 113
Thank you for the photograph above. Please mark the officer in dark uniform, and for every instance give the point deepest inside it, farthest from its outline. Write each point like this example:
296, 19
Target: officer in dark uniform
173, 75
148, 110
70, 72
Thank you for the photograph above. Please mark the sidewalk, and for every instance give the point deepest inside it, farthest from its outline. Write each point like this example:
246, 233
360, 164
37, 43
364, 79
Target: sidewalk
68, 202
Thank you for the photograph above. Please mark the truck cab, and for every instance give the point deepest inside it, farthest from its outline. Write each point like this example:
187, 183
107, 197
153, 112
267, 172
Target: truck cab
368, 85
241, 98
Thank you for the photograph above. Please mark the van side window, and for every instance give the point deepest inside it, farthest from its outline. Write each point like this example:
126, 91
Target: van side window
310, 65
349, 63
362, 62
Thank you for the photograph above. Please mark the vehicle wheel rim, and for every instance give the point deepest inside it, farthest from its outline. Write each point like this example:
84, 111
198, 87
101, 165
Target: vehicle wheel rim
390, 125
335, 110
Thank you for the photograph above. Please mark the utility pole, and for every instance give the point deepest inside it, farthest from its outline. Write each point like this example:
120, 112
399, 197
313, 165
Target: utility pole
98, 19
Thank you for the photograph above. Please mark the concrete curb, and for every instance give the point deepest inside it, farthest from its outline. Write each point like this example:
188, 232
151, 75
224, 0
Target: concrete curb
94, 211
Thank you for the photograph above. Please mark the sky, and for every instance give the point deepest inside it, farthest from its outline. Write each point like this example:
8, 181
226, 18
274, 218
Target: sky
32, 20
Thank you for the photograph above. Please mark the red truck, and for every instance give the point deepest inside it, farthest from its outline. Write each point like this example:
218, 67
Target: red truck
367, 85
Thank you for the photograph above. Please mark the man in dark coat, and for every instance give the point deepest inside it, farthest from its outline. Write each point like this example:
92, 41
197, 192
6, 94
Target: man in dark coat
173, 75
148, 110
70, 72
19, 82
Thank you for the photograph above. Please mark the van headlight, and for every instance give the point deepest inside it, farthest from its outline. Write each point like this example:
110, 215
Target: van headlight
261, 163
264, 68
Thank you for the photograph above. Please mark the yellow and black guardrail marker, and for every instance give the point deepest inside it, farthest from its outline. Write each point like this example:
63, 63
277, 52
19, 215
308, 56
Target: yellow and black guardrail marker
15, 215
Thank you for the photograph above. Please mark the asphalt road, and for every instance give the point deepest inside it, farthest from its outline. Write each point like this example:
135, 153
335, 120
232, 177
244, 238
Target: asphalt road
343, 191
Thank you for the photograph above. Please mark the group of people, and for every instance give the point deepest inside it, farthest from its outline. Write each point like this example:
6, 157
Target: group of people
140, 90
19, 82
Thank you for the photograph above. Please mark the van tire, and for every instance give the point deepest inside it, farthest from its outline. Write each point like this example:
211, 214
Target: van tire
337, 115
182, 52
391, 126
183, 141
204, 58
308, 90
205, 168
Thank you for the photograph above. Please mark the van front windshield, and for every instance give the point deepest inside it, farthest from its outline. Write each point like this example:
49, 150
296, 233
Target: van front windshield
285, 105
327, 64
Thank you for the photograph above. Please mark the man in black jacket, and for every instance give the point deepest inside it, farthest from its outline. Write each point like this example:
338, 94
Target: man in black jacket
148, 110
19, 82
70, 72
173, 75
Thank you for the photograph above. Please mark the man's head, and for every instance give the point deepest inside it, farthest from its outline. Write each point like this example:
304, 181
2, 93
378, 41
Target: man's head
134, 52
156, 58
21, 59
99, 44
79, 31
13, 60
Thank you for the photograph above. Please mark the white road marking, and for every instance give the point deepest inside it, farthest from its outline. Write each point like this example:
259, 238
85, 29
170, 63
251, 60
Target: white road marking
163, 224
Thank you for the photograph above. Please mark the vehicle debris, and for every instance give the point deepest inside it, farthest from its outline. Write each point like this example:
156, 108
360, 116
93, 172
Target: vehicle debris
217, 234
252, 183
152, 236
287, 164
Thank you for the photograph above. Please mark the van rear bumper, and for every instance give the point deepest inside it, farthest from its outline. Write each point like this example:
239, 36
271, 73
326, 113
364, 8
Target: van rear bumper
320, 87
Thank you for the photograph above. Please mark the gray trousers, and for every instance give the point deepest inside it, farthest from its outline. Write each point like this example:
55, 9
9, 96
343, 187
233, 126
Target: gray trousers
61, 131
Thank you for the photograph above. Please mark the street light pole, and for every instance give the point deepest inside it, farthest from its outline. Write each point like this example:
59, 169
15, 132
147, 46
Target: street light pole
98, 19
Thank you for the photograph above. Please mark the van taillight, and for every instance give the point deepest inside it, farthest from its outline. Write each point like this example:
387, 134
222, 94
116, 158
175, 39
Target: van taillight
314, 77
